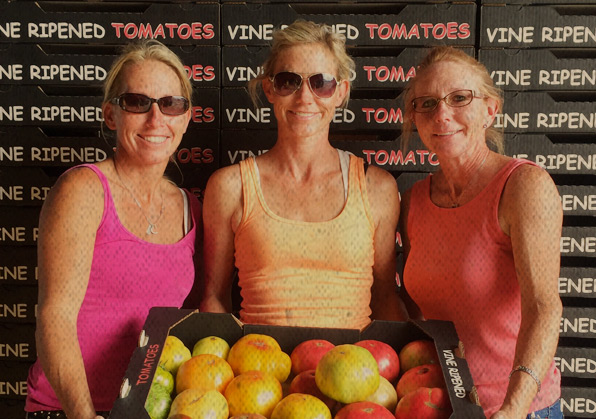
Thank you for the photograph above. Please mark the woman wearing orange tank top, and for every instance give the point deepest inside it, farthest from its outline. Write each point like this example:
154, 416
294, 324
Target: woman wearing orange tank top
482, 240
284, 219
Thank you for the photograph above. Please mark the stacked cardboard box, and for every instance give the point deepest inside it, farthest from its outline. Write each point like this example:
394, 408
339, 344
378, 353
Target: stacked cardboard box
543, 56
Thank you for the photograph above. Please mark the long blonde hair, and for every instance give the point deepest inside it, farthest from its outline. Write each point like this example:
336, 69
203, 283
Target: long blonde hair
487, 88
305, 32
135, 53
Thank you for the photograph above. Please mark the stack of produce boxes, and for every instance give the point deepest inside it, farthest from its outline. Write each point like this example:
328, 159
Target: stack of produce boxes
54, 58
544, 57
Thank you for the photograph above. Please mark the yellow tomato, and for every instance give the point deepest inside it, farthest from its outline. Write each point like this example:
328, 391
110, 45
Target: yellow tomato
301, 406
211, 345
199, 404
174, 354
253, 392
347, 373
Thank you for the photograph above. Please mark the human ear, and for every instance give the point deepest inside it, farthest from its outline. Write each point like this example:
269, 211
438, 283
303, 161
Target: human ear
268, 89
342, 91
108, 115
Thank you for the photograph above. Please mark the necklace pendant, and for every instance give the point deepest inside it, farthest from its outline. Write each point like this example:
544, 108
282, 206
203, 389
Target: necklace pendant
151, 229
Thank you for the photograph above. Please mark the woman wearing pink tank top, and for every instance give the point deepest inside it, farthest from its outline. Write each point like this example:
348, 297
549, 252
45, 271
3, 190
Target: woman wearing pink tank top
481, 237
114, 241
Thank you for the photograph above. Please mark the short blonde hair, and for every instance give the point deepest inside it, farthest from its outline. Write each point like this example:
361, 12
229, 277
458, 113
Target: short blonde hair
135, 53
487, 88
305, 32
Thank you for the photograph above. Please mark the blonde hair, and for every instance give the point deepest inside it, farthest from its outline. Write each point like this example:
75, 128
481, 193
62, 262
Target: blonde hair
487, 88
305, 32
135, 53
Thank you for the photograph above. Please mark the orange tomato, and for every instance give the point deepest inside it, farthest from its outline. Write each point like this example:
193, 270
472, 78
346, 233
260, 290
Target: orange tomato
206, 372
253, 392
256, 352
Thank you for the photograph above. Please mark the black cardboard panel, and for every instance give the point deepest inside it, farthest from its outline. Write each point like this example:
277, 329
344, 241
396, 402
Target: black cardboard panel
578, 241
109, 22
540, 112
238, 112
241, 64
18, 265
411, 25
19, 304
31, 106
555, 158
578, 402
17, 342
578, 322
576, 362
12, 408
577, 282
538, 69
19, 228
30, 64
578, 200
13, 379
540, 26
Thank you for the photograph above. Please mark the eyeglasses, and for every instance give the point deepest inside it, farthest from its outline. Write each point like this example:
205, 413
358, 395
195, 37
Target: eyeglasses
455, 99
138, 103
322, 85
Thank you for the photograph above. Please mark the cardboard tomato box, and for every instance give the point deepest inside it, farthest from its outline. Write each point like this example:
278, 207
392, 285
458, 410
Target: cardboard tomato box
190, 326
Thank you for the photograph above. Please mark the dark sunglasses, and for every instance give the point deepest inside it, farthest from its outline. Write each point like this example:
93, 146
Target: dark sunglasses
138, 103
322, 85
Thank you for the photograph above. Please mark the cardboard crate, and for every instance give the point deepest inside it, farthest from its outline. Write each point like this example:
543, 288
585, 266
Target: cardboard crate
32, 146
577, 282
555, 158
13, 379
578, 199
85, 65
17, 342
578, 322
542, 112
405, 24
579, 241
237, 145
12, 408
539, 69
19, 304
18, 228
190, 326
238, 112
29, 105
578, 402
576, 362
108, 23
243, 63
197, 158
541, 26
24, 186
18, 265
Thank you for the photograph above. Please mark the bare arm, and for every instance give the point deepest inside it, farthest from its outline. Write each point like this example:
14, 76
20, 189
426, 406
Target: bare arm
222, 208
68, 224
530, 213
384, 203
411, 306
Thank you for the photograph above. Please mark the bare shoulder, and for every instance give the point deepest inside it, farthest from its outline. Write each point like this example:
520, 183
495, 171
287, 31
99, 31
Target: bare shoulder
79, 194
382, 193
528, 182
226, 180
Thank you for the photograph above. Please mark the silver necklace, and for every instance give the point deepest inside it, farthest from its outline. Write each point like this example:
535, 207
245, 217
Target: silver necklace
151, 229
455, 201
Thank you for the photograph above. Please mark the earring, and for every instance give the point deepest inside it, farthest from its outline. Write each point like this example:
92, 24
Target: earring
485, 126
